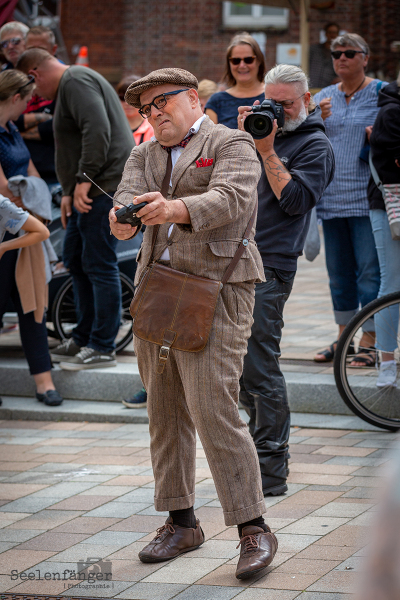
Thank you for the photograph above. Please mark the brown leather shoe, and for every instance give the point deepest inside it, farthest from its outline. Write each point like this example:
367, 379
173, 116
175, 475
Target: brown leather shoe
257, 551
171, 541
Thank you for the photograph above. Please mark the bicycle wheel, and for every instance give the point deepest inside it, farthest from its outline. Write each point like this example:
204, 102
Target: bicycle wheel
64, 315
360, 388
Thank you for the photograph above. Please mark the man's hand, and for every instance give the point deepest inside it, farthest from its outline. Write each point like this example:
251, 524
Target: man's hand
159, 210
266, 144
122, 231
277, 174
81, 200
368, 131
66, 209
325, 106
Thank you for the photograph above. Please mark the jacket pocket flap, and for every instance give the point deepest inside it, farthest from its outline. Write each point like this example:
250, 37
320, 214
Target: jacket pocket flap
226, 248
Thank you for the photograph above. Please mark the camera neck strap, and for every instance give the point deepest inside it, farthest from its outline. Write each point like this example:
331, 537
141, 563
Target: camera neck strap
242, 246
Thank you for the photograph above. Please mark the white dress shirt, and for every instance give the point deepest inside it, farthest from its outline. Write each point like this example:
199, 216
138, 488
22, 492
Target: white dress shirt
175, 154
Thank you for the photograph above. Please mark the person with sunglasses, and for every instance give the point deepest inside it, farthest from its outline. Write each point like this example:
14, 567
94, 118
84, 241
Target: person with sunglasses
348, 108
244, 73
12, 43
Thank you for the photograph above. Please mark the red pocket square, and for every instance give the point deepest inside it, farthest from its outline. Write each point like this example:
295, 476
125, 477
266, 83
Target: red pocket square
204, 162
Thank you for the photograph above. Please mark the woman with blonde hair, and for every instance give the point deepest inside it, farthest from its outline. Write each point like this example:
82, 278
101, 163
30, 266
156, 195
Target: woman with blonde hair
244, 74
205, 90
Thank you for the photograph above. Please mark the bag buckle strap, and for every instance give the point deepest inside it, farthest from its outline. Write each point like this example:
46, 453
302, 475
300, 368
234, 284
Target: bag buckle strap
169, 338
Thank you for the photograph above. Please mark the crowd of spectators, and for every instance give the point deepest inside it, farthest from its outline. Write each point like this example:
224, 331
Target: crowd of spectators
348, 104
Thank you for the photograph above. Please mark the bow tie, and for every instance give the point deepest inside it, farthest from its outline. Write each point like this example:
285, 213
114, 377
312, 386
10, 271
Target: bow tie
181, 144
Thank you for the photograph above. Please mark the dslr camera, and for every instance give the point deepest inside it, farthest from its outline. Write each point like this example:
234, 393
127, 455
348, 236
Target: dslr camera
261, 122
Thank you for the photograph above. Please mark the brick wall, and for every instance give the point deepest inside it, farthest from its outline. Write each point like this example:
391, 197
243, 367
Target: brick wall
380, 25
138, 36
98, 25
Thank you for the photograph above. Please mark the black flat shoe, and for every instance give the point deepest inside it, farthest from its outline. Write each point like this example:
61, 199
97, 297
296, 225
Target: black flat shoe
50, 398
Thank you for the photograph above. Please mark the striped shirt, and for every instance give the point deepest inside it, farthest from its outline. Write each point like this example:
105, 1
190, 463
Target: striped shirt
346, 196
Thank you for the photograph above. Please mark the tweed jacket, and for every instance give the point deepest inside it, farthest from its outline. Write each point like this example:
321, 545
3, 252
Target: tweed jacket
220, 198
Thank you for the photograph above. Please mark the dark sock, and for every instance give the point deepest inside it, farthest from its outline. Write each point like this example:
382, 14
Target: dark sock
259, 522
184, 517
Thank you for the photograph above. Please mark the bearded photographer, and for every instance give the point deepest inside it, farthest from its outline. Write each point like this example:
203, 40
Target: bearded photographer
297, 165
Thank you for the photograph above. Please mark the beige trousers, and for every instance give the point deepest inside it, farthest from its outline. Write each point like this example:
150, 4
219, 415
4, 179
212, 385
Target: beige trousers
200, 391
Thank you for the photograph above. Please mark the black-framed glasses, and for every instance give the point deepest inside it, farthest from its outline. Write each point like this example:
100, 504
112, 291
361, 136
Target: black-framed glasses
158, 102
14, 41
31, 79
348, 53
288, 103
247, 59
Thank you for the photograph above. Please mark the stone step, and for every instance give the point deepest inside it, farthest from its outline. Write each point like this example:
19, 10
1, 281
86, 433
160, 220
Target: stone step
93, 411
308, 392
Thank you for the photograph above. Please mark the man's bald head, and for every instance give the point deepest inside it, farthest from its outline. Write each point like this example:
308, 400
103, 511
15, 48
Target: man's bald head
46, 70
33, 58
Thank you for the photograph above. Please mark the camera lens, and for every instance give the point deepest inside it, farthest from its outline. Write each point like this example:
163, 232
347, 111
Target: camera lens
259, 125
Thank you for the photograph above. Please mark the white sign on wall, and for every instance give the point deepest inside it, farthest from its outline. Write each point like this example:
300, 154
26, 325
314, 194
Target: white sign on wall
288, 54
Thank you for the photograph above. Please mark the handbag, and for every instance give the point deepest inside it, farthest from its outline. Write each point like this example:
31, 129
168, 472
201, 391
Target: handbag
174, 309
391, 197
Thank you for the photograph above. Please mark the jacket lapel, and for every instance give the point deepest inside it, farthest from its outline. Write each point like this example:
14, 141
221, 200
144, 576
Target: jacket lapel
158, 163
191, 152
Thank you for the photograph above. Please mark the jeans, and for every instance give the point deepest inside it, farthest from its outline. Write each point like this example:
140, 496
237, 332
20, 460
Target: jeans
89, 254
386, 321
352, 264
33, 335
263, 389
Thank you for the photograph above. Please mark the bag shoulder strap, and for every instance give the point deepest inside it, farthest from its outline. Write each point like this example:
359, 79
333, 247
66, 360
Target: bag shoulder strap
242, 247
243, 244
375, 176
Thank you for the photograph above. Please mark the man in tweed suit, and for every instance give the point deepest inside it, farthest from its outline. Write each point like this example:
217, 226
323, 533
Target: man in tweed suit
212, 195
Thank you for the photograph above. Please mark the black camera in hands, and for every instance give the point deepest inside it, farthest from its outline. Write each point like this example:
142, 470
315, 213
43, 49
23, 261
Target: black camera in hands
260, 123
127, 214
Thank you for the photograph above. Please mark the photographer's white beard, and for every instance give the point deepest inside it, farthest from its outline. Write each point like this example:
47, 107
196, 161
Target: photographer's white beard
292, 124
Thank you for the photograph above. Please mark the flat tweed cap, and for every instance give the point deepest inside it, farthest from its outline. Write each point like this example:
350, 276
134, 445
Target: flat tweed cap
159, 77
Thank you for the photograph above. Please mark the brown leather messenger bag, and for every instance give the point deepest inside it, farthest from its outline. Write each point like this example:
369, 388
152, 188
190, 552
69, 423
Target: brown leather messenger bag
174, 309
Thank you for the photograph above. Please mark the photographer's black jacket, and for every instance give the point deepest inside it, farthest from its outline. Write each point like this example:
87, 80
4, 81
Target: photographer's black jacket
282, 225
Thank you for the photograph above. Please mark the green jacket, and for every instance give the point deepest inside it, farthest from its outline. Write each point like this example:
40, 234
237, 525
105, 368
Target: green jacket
91, 132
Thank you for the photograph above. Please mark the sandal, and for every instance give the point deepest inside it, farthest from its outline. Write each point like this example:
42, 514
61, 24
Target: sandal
329, 353
366, 356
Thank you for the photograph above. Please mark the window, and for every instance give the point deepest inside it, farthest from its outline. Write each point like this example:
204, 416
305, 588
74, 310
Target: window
237, 15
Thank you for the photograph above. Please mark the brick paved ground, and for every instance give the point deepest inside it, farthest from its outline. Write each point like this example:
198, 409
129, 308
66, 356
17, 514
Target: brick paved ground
73, 491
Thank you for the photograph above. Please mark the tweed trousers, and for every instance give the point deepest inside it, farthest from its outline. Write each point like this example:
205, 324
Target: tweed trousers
200, 391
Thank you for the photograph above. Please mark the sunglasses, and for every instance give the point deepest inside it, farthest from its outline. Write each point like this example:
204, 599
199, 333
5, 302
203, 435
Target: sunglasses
348, 53
31, 79
158, 102
247, 59
12, 41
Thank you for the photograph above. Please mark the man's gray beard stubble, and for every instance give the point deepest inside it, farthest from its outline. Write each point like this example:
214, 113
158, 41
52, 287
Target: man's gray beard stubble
292, 124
